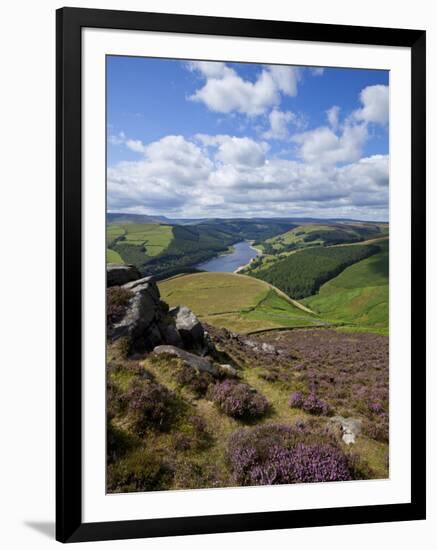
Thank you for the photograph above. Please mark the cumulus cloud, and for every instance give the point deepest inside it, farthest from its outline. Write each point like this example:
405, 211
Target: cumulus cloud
225, 91
170, 173
324, 146
209, 69
279, 123
343, 143
235, 150
286, 78
228, 176
135, 145
375, 101
223, 175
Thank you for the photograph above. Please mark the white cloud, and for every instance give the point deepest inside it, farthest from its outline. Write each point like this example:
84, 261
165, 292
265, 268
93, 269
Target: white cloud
117, 139
279, 122
225, 91
332, 115
227, 176
286, 78
317, 71
171, 173
235, 150
375, 100
324, 146
210, 69
241, 151
135, 145
344, 143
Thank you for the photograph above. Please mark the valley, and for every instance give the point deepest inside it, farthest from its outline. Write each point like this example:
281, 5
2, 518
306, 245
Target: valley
289, 319
338, 271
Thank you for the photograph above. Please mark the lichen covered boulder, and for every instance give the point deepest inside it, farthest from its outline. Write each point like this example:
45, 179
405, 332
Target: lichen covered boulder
202, 364
120, 274
189, 327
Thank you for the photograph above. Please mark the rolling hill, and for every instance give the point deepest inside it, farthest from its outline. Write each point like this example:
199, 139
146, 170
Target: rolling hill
236, 302
339, 270
301, 274
358, 296
318, 234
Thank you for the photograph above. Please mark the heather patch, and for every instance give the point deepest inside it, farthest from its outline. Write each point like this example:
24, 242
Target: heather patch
148, 405
194, 380
348, 372
238, 400
310, 404
274, 454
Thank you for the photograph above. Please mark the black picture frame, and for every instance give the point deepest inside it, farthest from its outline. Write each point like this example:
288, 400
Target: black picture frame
69, 525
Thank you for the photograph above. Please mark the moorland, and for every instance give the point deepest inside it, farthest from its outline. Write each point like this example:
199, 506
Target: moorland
285, 372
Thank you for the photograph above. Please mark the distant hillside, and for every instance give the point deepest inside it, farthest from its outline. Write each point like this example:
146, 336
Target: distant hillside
322, 234
164, 249
122, 218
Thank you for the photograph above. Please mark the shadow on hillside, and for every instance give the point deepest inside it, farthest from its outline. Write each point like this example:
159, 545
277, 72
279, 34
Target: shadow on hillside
379, 265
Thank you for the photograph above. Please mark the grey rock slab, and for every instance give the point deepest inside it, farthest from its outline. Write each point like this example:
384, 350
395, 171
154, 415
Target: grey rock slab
188, 326
138, 324
120, 274
200, 363
145, 283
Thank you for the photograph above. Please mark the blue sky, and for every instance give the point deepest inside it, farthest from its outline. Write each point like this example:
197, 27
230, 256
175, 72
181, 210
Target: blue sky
215, 139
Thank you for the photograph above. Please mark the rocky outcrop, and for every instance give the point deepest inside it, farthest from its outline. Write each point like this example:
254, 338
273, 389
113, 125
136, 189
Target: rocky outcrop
120, 274
147, 321
144, 317
189, 327
200, 363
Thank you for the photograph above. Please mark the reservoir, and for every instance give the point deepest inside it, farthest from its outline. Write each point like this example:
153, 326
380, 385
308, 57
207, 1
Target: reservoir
241, 255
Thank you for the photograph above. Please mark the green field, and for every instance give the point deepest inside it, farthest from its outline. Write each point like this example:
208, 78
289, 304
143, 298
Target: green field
112, 257
152, 236
358, 296
313, 234
295, 236
236, 302
113, 232
162, 249
302, 266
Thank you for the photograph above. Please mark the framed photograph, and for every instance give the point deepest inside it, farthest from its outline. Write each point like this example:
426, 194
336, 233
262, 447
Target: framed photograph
240, 275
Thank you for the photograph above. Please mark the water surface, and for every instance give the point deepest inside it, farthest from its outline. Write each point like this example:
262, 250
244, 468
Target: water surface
240, 256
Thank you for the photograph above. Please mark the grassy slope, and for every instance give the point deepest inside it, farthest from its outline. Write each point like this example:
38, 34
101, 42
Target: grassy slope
154, 237
298, 235
301, 274
358, 296
236, 302
113, 232
113, 257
